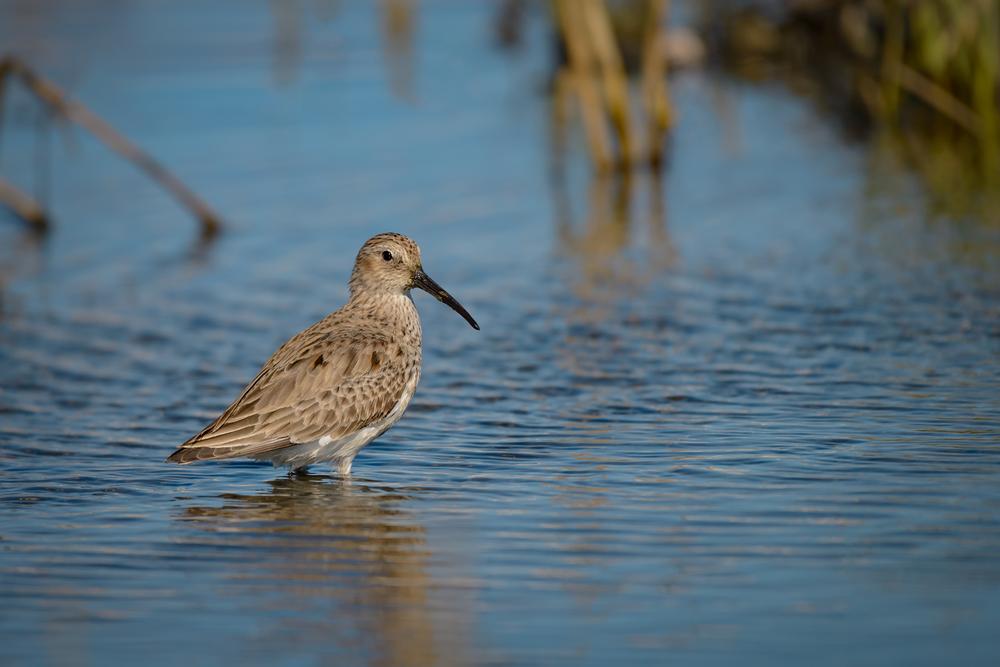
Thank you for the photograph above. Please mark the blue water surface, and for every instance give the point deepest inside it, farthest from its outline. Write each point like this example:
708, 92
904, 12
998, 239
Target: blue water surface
744, 412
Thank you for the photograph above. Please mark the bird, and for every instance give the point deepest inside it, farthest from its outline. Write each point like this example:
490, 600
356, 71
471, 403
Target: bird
339, 384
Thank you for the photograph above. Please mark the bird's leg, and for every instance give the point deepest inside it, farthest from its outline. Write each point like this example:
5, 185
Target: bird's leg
344, 466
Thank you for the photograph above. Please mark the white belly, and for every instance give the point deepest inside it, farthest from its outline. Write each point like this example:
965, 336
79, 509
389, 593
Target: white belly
341, 450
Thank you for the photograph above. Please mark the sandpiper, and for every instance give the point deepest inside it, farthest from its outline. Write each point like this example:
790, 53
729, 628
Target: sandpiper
341, 383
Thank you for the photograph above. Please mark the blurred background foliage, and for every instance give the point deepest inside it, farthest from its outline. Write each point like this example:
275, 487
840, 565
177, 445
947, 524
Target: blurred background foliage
919, 77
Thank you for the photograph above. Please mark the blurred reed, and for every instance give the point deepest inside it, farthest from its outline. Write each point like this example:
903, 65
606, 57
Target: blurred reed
595, 73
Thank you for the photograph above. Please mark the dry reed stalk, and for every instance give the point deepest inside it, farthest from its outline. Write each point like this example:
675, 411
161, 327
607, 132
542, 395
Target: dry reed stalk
581, 68
596, 24
654, 80
597, 69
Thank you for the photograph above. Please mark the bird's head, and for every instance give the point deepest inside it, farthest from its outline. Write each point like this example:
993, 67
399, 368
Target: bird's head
389, 263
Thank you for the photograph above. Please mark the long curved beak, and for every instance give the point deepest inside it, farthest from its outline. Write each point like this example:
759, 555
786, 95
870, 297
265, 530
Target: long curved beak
424, 282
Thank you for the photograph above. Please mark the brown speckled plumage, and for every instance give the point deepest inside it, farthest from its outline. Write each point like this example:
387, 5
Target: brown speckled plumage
339, 384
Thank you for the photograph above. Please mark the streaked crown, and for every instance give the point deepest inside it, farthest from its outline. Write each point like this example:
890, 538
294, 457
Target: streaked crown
386, 263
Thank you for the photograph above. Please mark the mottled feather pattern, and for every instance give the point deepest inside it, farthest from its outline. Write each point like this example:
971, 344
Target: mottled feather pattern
342, 382
332, 379
329, 380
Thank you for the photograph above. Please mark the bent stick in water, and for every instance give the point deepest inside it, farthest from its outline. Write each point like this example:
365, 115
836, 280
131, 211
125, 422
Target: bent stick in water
52, 95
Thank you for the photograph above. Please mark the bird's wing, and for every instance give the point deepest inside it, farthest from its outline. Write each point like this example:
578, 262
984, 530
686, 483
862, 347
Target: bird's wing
319, 383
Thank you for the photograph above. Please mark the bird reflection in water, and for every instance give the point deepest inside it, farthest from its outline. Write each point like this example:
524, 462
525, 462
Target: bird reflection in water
349, 556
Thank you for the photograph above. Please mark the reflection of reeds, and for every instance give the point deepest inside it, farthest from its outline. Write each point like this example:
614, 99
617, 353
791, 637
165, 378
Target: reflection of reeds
75, 112
287, 48
599, 241
397, 18
596, 74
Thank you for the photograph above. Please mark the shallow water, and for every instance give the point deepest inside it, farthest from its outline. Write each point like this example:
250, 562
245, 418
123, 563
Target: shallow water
749, 414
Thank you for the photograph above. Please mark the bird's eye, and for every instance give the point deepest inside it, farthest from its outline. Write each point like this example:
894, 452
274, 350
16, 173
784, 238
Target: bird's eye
386, 255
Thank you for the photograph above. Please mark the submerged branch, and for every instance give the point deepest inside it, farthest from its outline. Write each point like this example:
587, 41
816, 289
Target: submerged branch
76, 112
23, 206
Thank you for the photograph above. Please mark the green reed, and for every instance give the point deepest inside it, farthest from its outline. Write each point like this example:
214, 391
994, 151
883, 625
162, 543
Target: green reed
924, 74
